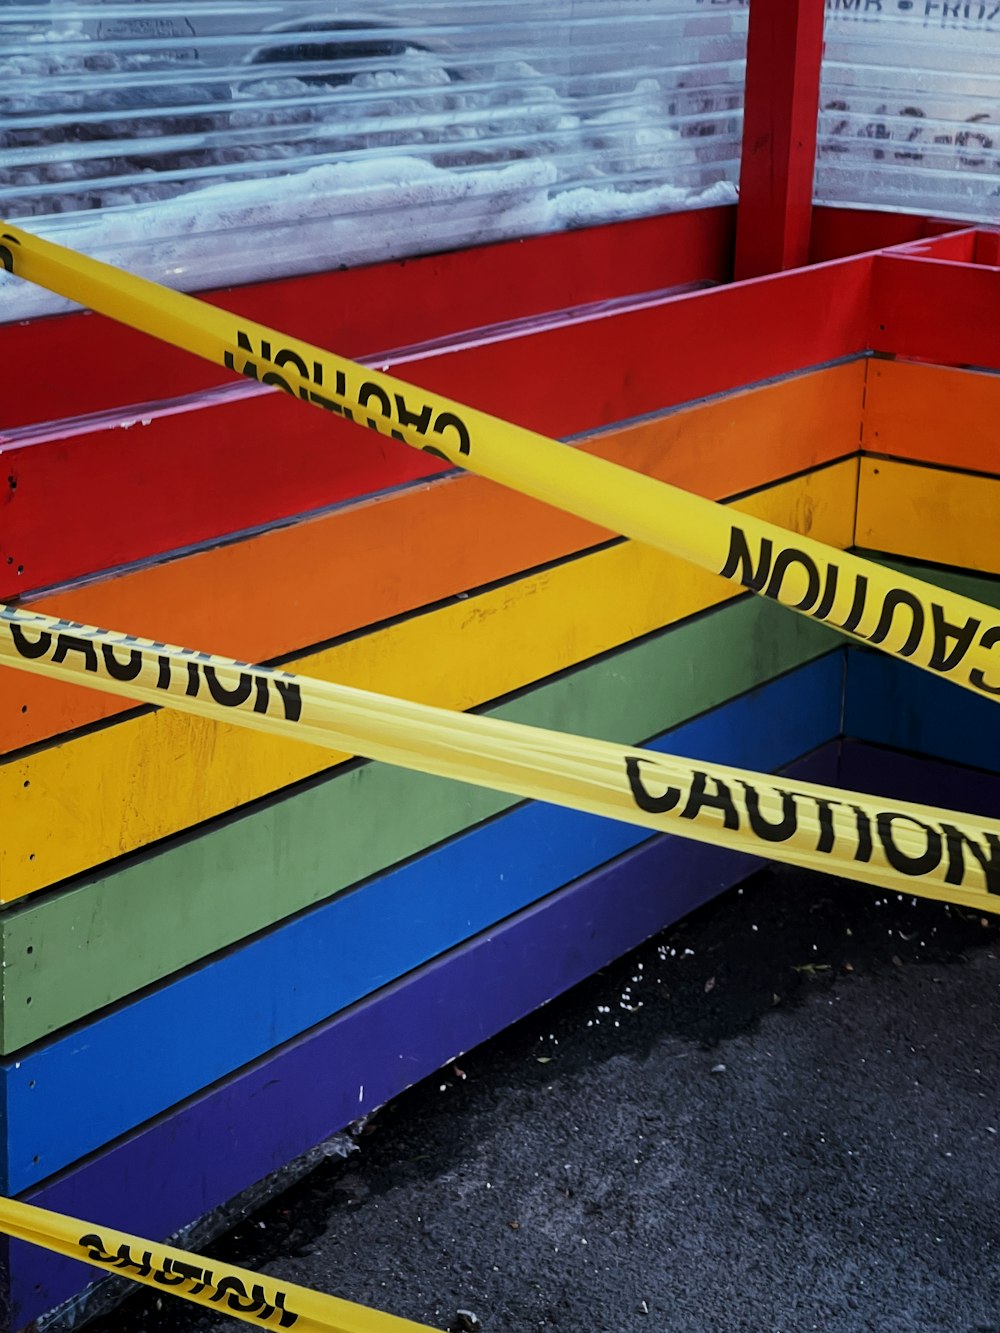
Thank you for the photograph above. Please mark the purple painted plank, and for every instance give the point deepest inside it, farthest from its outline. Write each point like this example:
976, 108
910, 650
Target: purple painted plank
910, 777
188, 1162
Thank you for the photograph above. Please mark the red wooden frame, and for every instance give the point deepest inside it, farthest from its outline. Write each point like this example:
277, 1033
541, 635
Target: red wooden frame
75, 364
839, 232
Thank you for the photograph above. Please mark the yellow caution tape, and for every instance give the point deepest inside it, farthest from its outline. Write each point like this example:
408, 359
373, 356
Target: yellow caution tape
911, 848
953, 636
267, 1302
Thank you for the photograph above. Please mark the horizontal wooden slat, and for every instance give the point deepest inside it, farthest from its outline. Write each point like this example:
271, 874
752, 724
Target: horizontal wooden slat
933, 414
891, 703
79, 363
929, 513
922, 716
892, 772
837, 232
929, 309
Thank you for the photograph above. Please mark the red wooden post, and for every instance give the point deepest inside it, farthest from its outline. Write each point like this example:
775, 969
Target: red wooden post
784, 51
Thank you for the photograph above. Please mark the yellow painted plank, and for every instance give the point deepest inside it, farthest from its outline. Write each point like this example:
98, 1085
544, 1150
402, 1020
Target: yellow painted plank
80, 803
929, 513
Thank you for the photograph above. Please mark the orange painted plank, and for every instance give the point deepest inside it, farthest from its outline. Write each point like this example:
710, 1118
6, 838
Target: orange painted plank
933, 414
299, 585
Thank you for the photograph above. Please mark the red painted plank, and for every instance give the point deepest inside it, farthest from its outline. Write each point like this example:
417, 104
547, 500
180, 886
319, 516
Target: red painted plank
97, 501
784, 52
839, 232
934, 310
957, 246
76, 364
72, 507
563, 381
987, 248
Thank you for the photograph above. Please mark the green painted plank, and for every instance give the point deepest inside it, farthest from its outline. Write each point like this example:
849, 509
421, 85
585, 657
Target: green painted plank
107, 935
980, 587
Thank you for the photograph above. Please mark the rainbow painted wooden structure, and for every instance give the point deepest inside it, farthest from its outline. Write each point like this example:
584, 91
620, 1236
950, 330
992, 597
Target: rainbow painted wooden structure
218, 949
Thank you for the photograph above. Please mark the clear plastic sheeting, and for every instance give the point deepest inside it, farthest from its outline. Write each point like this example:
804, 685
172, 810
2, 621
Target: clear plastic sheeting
211, 142
910, 107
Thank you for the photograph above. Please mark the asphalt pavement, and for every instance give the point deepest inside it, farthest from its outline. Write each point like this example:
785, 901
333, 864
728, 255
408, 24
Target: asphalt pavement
780, 1115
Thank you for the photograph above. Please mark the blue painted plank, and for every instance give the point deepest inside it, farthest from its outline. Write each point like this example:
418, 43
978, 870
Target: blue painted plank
140, 1059
185, 1164
888, 702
